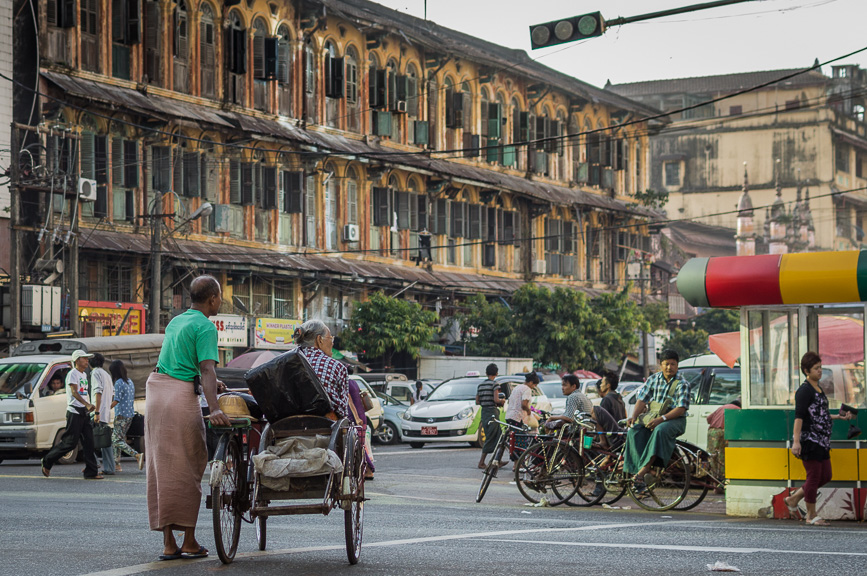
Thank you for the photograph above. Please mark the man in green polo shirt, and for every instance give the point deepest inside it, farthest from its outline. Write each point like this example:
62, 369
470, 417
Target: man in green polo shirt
174, 430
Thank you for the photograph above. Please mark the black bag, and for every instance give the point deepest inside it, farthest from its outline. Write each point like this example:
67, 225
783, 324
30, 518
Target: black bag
136, 426
101, 435
288, 386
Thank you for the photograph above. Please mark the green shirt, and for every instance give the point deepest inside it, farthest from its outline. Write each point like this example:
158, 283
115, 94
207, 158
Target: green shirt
190, 339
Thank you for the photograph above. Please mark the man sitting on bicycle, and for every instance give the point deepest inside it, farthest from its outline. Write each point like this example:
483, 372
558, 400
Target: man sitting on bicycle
577, 402
652, 443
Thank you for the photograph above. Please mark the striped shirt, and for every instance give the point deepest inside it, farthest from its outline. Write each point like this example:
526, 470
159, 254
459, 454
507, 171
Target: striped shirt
577, 401
656, 390
486, 392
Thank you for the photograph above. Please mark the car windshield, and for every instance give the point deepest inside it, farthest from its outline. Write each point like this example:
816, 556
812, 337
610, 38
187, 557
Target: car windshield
552, 389
458, 389
14, 376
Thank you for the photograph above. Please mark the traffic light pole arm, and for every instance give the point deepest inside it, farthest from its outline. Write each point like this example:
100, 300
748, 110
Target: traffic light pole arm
693, 8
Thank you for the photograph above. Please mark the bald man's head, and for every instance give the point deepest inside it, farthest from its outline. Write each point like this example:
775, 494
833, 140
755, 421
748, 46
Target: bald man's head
203, 289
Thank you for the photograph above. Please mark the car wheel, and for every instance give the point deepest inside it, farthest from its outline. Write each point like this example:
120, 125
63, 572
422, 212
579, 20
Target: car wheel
388, 434
416, 445
71, 456
480, 440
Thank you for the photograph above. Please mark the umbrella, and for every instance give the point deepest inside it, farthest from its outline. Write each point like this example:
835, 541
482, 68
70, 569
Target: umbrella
841, 341
587, 374
252, 359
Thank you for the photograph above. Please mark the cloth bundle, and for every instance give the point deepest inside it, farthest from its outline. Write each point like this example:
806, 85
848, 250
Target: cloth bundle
295, 457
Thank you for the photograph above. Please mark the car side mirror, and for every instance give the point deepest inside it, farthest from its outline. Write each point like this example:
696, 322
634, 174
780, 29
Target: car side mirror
28, 389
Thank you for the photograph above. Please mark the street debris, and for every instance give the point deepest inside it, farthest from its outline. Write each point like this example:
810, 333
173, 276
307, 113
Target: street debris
720, 566
525, 512
610, 507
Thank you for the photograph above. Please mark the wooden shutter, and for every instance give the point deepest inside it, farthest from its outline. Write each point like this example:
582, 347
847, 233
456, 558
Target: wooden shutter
457, 220
130, 163
293, 190
474, 230
450, 108
516, 221
259, 57
117, 162
269, 197
421, 210
248, 192
567, 243
234, 182
100, 206
239, 51
412, 96
284, 55
51, 13
100, 159
491, 233
130, 204
272, 57
524, 129
403, 210
381, 82
133, 22
382, 201
508, 235
192, 177
337, 77
118, 21
422, 132
178, 171
85, 156
392, 90
494, 122
66, 15
471, 145
440, 216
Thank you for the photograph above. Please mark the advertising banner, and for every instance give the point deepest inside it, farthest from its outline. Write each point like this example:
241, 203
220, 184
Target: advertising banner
110, 315
231, 330
275, 333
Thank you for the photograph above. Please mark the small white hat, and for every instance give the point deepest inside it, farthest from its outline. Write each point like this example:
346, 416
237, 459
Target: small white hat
80, 354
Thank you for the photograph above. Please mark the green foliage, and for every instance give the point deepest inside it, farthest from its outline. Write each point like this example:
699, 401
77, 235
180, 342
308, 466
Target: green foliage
383, 325
718, 320
492, 319
652, 199
560, 327
687, 342
656, 315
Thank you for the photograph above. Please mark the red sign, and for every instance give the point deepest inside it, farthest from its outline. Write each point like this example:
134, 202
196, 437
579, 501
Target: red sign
111, 314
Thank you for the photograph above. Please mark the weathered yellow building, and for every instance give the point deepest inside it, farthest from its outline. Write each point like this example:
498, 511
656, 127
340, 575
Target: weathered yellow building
332, 139
806, 129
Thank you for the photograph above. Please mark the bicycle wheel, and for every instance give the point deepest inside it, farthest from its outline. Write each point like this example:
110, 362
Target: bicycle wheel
698, 488
551, 470
353, 515
670, 487
591, 489
226, 489
492, 468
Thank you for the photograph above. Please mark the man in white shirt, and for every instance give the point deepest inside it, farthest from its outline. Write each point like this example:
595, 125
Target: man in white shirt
518, 411
102, 392
78, 424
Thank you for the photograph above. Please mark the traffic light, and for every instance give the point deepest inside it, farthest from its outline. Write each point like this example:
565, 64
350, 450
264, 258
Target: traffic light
567, 30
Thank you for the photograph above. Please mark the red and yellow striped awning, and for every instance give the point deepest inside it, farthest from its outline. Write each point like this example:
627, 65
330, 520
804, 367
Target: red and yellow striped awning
811, 278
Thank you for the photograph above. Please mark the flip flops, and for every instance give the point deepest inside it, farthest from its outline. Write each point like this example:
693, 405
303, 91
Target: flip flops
818, 521
174, 556
202, 553
794, 513
46, 472
139, 458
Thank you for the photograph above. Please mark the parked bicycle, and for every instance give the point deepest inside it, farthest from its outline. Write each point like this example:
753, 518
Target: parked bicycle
514, 438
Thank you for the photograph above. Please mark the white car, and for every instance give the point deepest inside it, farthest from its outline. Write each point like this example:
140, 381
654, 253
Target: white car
450, 413
375, 413
553, 389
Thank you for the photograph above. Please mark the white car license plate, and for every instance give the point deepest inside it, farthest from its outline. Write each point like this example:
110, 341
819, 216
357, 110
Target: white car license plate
428, 430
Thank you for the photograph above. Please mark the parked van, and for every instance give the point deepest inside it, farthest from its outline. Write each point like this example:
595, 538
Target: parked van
32, 419
712, 384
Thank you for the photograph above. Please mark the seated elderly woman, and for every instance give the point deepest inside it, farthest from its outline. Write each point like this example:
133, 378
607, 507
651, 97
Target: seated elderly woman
315, 341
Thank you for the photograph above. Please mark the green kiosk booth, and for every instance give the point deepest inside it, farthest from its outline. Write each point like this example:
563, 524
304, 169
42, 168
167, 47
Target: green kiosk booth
789, 304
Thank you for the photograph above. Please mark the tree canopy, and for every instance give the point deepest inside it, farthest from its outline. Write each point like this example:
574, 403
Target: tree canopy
687, 342
383, 326
560, 326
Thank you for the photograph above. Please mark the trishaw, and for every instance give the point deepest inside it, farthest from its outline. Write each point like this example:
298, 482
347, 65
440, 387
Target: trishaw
240, 493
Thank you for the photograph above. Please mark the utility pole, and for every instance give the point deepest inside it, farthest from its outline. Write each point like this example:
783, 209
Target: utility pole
15, 243
156, 262
645, 359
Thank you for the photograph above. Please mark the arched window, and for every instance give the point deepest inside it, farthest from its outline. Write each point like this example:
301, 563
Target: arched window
353, 116
393, 76
467, 107
260, 65
453, 117
180, 47
235, 51
284, 70
559, 146
208, 52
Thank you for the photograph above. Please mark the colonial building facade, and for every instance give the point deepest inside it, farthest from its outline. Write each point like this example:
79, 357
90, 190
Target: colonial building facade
802, 135
342, 146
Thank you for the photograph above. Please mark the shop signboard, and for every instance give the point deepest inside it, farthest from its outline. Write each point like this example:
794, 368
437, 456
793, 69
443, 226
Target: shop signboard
107, 317
231, 330
275, 333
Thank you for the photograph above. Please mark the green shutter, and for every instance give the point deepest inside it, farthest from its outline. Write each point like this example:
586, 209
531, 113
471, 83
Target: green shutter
492, 153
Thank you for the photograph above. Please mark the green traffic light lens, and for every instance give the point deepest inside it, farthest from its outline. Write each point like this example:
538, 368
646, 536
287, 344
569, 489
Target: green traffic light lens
563, 30
540, 35
587, 25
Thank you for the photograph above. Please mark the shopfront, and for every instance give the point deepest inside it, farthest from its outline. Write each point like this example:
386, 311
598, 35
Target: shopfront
111, 318
789, 304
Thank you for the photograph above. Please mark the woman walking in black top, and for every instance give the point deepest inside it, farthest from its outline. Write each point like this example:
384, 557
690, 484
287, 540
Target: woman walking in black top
811, 440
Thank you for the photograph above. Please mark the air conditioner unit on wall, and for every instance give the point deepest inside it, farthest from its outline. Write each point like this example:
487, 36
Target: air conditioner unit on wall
401, 106
539, 266
86, 190
351, 233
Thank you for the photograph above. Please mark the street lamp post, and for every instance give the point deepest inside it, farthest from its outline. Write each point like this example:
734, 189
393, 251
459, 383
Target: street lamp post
156, 253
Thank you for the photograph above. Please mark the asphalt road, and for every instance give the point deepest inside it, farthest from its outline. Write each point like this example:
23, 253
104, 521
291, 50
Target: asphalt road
421, 520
